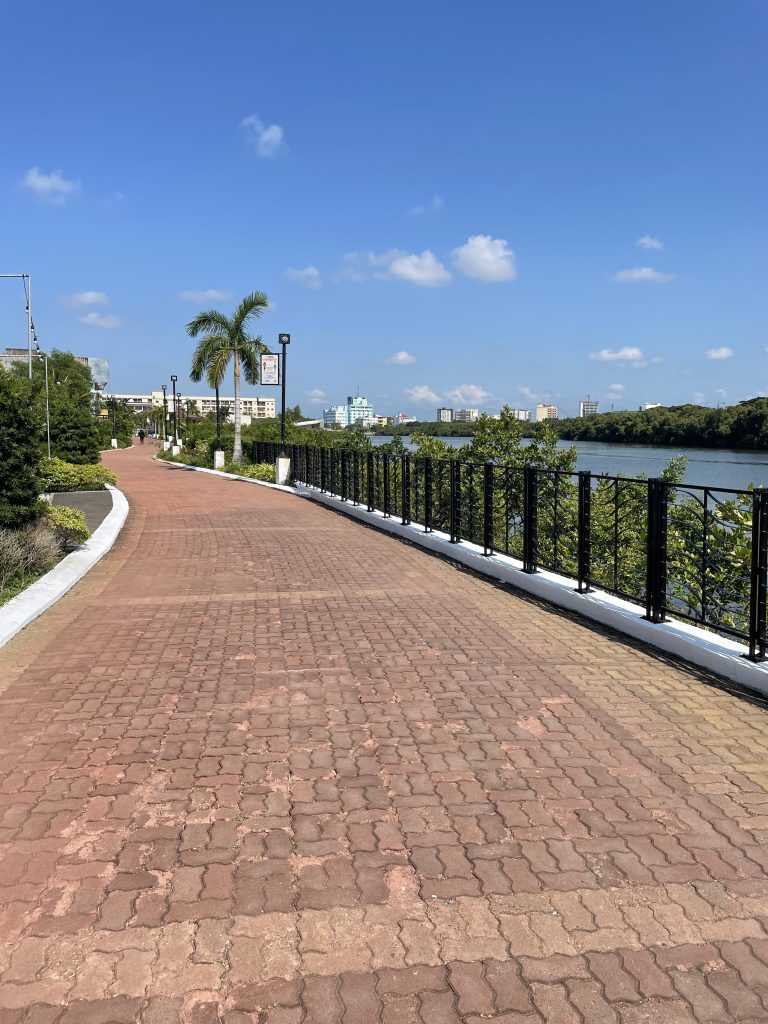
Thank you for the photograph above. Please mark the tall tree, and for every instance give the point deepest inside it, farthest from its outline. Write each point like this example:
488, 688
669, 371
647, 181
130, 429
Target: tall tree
224, 338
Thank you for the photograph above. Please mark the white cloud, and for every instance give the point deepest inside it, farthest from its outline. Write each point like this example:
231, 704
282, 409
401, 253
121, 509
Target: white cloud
529, 393
309, 276
719, 353
317, 396
51, 188
486, 259
468, 394
697, 397
616, 389
79, 299
629, 354
649, 242
97, 320
422, 269
638, 274
206, 295
436, 203
422, 393
401, 359
267, 140
721, 392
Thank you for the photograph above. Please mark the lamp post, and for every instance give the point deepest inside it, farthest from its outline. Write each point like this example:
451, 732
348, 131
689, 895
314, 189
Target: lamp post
285, 340
44, 357
174, 378
180, 410
165, 412
218, 421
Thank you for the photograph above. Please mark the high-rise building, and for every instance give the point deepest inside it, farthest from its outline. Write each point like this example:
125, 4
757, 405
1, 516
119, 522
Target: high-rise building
521, 414
444, 415
588, 407
466, 415
546, 412
250, 408
357, 410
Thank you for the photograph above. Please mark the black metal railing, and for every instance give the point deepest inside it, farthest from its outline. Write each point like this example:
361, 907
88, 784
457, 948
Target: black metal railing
692, 552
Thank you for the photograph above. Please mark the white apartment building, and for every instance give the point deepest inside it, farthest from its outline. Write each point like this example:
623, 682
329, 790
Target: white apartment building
250, 408
357, 410
546, 412
444, 415
588, 407
466, 415
522, 414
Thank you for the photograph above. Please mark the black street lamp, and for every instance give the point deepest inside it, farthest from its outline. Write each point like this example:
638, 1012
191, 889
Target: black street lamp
165, 411
285, 340
174, 378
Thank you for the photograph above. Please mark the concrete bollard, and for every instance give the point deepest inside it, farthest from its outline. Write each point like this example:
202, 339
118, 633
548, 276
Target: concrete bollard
175, 449
113, 442
218, 459
166, 445
282, 470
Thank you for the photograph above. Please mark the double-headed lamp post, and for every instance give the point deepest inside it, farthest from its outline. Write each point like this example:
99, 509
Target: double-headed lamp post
174, 378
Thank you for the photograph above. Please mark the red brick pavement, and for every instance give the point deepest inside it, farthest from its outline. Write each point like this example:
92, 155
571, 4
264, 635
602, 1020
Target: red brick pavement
267, 765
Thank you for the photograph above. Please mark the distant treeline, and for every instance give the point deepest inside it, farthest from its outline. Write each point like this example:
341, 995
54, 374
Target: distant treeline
734, 426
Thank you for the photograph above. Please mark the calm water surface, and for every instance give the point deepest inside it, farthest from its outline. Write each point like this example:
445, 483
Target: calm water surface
707, 466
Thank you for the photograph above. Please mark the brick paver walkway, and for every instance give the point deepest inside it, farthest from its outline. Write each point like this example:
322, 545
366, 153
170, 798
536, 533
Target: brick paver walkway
266, 765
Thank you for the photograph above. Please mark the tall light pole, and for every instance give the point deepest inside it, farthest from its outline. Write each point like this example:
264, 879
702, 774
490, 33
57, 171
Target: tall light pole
26, 281
174, 378
218, 421
44, 357
285, 340
165, 412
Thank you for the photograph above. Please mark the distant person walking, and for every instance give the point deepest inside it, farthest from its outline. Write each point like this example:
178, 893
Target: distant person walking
142, 435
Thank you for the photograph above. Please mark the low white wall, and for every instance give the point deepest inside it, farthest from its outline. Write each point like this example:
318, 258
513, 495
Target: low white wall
40, 595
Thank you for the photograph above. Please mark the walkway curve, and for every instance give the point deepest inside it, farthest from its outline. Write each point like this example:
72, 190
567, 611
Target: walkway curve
266, 765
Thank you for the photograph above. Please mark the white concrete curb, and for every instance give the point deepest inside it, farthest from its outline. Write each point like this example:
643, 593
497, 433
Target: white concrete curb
40, 595
230, 476
699, 647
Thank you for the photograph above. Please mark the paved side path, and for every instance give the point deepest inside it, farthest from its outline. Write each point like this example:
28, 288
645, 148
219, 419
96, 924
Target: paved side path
266, 765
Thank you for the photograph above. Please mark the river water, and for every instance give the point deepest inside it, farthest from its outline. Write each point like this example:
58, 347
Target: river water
711, 467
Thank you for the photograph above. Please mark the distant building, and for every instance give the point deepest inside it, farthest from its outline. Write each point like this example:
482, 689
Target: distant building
466, 415
250, 408
381, 421
136, 403
445, 415
357, 410
588, 407
99, 367
521, 414
649, 405
546, 412
399, 418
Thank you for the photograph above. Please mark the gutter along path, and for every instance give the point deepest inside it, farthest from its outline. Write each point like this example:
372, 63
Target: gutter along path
265, 765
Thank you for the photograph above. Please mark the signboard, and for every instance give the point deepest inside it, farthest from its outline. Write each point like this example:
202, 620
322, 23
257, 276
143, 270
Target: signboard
270, 368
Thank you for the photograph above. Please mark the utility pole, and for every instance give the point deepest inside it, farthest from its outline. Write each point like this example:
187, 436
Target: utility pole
26, 281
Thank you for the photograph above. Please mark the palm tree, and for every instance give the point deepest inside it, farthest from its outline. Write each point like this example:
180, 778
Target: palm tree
226, 338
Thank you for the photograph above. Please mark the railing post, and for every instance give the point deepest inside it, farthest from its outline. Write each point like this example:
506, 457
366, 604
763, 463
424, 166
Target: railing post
427, 495
488, 508
530, 519
356, 477
758, 573
324, 470
585, 531
405, 488
369, 481
656, 550
385, 501
454, 481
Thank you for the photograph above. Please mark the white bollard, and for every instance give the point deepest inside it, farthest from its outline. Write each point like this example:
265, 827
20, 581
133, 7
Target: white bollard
218, 459
282, 469
175, 449
166, 445
113, 442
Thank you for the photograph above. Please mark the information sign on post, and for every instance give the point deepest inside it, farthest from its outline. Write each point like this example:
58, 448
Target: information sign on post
270, 368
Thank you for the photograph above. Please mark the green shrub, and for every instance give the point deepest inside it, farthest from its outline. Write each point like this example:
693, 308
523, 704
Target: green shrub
26, 553
68, 524
21, 423
263, 471
57, 475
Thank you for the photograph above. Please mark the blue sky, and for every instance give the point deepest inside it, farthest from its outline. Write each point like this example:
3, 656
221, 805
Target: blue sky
444, 202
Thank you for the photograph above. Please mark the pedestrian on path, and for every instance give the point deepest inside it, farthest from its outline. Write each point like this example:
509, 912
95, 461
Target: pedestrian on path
141, 436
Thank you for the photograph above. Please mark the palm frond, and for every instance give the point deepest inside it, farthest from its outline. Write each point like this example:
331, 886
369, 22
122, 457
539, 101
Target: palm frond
205, 351
249, 350
217, 366
253, 305
210, 321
